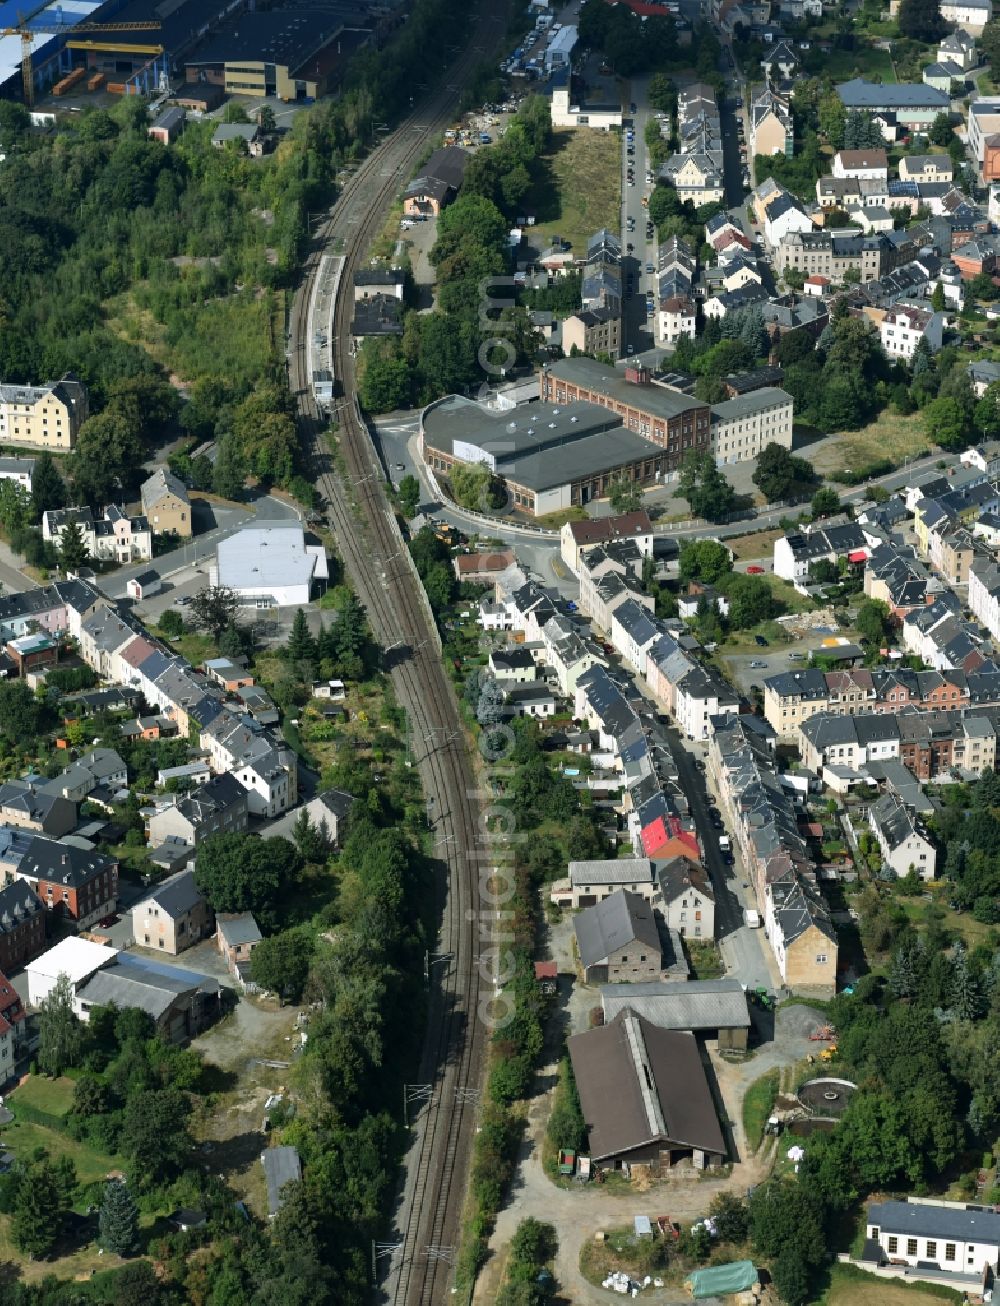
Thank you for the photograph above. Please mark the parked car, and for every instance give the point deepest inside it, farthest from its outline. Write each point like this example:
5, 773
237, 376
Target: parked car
755, 570
760, 641
757, 665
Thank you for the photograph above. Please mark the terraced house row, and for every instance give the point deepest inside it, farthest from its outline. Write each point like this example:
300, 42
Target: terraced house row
793, 697
119, 649
762, 819
929, 744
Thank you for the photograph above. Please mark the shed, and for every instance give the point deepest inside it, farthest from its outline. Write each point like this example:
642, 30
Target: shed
144, 585
281, 1166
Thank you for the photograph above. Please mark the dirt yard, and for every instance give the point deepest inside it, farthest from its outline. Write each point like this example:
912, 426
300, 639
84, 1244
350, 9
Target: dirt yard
253, 1051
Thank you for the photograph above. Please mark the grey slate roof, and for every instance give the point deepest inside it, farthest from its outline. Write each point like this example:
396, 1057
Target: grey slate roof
616, 922
861, 94
620, 870
131, 981
695, 1005
914, 1218
237, 928
281, 1166
176, 895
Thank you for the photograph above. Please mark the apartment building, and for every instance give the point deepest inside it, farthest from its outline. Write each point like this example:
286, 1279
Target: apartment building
771, 127
983, 122
833, 254
743, 426
871, 165
926, 168
903, 106
593, 331
904, 326
687, 898
115, 536
166, 503
970, 15
675, 318
45, 416
984, 594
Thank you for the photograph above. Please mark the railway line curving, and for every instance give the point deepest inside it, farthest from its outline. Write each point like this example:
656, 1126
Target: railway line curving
416, 1268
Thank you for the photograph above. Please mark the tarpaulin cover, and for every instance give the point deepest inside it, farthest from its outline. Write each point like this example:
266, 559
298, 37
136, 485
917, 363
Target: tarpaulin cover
718, 1280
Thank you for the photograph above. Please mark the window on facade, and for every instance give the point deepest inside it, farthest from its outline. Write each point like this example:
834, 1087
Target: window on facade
911, 1246
821, 959
931, 1250
893, 1246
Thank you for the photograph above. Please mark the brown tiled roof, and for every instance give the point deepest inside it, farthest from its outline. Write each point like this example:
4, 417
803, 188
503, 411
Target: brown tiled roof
471, 563
599, 529
640, 1085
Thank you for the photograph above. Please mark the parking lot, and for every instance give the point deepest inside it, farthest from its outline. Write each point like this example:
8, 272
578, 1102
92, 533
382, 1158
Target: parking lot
748, 669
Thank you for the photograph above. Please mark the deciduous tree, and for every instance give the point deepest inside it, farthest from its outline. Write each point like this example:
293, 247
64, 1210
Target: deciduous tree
706, 489
280, 963
60, 1033
214, 608
239, 872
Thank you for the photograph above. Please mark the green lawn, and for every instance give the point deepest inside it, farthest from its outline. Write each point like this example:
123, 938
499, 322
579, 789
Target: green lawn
758, 1103
850, 1286
842, 65
196, 648
52, 1095
23, 1137
577, 189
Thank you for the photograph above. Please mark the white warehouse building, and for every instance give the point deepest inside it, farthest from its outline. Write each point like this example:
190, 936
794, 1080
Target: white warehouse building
270, 566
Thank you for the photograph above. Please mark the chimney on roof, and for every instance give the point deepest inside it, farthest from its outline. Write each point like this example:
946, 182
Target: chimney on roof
637, 375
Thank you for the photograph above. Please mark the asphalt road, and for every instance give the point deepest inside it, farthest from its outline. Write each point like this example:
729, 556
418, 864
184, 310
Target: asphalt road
637, 328
742, 948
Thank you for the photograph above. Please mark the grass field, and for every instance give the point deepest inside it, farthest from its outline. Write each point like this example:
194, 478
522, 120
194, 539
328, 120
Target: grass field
758, 1103
890, 436
852, 1287
577, 190
236, 336
758, 545
22, 1137
864, 62
554, 521
52, 1095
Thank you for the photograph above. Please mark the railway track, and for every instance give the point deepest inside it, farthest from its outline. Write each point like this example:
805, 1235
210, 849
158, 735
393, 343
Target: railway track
415, 1267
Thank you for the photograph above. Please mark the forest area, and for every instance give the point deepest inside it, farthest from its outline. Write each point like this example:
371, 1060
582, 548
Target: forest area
158, 274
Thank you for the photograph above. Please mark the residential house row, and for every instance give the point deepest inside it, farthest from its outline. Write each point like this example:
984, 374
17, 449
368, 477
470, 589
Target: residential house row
763, 821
